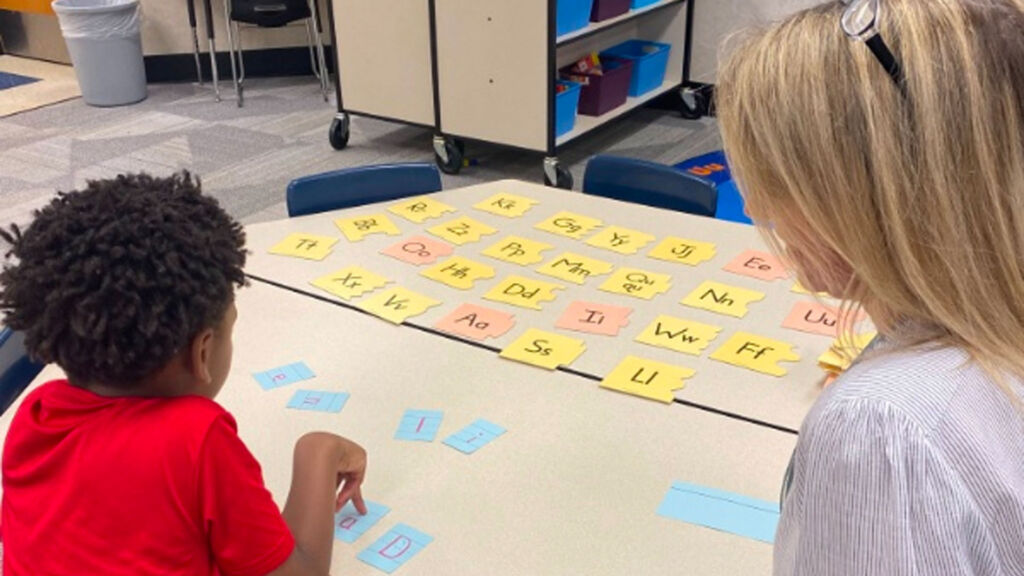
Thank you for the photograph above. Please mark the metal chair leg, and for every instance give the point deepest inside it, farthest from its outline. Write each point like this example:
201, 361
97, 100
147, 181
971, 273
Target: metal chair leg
241, 55
214, 73
231, 50
309, 44
191, 5
323, 76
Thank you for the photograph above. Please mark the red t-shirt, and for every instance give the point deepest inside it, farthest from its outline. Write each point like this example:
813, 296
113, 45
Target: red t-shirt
96, 485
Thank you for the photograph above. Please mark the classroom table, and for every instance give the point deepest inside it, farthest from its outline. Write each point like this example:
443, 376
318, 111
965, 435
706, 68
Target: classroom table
571, 488
775, 401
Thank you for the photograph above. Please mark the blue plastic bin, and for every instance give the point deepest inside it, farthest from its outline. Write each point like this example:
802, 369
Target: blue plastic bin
572, 15
650, 59
565, 107
637, 4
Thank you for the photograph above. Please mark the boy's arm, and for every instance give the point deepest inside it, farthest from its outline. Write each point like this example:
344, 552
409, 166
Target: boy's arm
322, 462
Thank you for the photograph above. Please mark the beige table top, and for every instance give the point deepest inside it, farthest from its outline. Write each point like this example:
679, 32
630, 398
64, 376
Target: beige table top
571, 488
780, 401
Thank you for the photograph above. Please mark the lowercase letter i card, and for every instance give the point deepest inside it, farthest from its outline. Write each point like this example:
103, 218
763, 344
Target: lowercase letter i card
474, 437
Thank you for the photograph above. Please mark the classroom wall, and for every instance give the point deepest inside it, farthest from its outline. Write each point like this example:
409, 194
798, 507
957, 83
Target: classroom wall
165, 29
714, 20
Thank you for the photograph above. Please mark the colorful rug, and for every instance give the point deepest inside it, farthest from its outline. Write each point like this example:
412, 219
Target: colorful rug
26, 84
8, 80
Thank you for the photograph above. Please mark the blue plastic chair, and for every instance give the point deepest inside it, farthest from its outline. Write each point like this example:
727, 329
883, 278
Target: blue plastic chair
649, 183
16, 369
360, 185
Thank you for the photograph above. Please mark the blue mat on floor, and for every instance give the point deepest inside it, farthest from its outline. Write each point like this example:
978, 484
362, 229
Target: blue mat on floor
8, 80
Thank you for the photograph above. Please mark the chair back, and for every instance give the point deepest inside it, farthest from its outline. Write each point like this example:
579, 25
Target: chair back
360, 185
649, 183
16, 369
269, 13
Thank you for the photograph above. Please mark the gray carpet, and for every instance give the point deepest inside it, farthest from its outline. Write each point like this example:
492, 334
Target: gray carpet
246, 156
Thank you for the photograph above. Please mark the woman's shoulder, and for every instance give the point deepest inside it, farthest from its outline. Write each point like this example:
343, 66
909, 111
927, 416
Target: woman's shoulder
919, 388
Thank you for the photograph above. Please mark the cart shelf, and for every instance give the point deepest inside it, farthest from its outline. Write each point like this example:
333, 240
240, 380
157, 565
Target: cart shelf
585, 124
596, 27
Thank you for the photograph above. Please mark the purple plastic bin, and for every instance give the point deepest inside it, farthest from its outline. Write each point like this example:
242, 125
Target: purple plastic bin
606, 92
605, 9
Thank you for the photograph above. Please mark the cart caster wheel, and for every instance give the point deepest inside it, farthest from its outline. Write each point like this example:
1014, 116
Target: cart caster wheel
693, 104
339, 132
563, 179
449, 154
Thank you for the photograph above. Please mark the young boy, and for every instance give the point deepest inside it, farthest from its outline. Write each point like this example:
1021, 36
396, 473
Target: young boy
129, 466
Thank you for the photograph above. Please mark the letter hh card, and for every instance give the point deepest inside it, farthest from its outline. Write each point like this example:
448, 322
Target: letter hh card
458, 272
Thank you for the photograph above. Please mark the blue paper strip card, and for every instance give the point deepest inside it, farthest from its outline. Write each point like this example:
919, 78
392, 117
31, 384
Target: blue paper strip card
277, 377
419, 425
349, 525
395, 548
475, 436
318, 401
735, 513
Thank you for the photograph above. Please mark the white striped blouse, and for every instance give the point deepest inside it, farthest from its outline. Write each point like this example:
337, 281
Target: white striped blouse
912, 463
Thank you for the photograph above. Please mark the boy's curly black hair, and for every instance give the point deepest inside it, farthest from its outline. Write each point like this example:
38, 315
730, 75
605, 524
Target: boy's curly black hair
112, 281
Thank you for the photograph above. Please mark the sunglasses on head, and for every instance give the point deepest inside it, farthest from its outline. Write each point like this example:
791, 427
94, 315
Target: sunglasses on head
860, 22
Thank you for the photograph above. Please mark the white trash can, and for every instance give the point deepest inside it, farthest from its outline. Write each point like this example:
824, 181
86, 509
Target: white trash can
106, 49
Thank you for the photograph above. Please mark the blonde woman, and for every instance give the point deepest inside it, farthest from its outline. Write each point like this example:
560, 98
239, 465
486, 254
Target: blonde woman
880, 145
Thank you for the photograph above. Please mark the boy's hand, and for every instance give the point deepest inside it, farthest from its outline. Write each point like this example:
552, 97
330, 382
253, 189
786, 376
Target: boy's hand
346, 459
351, 472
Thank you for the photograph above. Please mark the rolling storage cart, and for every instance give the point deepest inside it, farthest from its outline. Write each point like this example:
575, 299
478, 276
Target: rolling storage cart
489, 70
382, 50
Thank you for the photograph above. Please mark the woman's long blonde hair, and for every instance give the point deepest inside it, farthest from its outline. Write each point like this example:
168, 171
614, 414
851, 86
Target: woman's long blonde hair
921, 196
